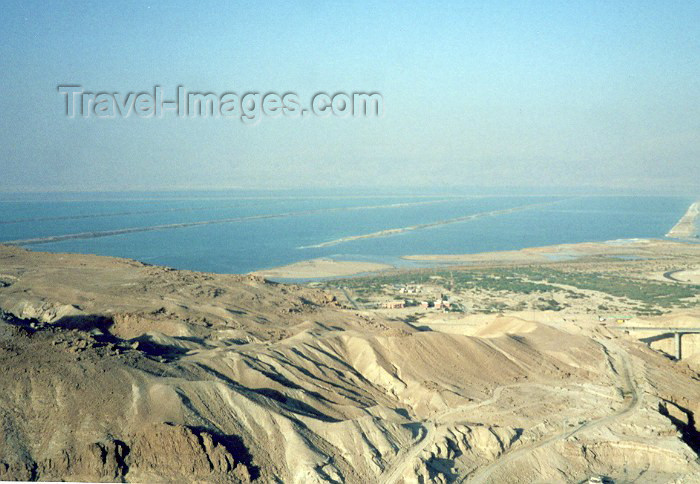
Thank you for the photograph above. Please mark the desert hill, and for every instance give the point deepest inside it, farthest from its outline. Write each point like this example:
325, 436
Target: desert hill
114, 370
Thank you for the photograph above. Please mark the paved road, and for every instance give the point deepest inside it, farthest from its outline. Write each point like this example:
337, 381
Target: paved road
350, 299
669, 275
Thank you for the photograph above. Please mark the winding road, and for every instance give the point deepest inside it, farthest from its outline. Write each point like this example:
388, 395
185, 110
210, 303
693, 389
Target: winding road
629, 386
669, 275
404, 459
407, 457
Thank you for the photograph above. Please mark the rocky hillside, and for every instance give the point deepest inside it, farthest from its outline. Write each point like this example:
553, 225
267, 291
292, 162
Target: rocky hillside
118, 371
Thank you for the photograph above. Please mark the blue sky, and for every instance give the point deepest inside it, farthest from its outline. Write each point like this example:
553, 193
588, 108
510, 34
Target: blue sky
495, 94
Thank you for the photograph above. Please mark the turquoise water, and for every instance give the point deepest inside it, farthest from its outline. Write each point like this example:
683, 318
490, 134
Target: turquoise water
230, 241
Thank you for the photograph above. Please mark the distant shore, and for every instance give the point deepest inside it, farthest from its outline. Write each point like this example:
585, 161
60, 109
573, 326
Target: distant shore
614, 249
687, 226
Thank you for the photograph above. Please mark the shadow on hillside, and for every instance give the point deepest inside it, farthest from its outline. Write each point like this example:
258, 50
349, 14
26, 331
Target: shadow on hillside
235, 446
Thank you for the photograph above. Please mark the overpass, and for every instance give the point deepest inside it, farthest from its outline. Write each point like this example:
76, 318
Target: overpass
675, 331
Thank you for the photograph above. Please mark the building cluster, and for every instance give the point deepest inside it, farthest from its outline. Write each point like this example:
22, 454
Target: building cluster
410, 289
395, 304
441, 302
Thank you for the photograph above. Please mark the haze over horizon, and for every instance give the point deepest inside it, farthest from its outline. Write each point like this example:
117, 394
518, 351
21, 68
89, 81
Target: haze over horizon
590, 96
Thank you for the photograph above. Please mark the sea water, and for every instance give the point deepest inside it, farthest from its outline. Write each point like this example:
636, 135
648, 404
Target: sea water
241, 232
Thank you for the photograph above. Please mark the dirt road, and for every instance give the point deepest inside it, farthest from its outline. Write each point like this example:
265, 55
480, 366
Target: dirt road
629, 388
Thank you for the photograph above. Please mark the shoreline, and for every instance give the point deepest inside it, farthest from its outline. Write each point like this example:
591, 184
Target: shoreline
687, 226
321, 268
326, 268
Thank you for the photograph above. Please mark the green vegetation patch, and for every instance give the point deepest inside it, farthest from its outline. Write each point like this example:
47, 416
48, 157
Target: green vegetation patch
643, 290
530, 280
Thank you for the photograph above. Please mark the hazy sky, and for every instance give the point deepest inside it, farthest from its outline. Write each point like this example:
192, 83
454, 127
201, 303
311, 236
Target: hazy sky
534, 94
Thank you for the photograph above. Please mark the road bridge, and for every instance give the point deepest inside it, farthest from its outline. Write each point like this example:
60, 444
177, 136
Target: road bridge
677, 332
